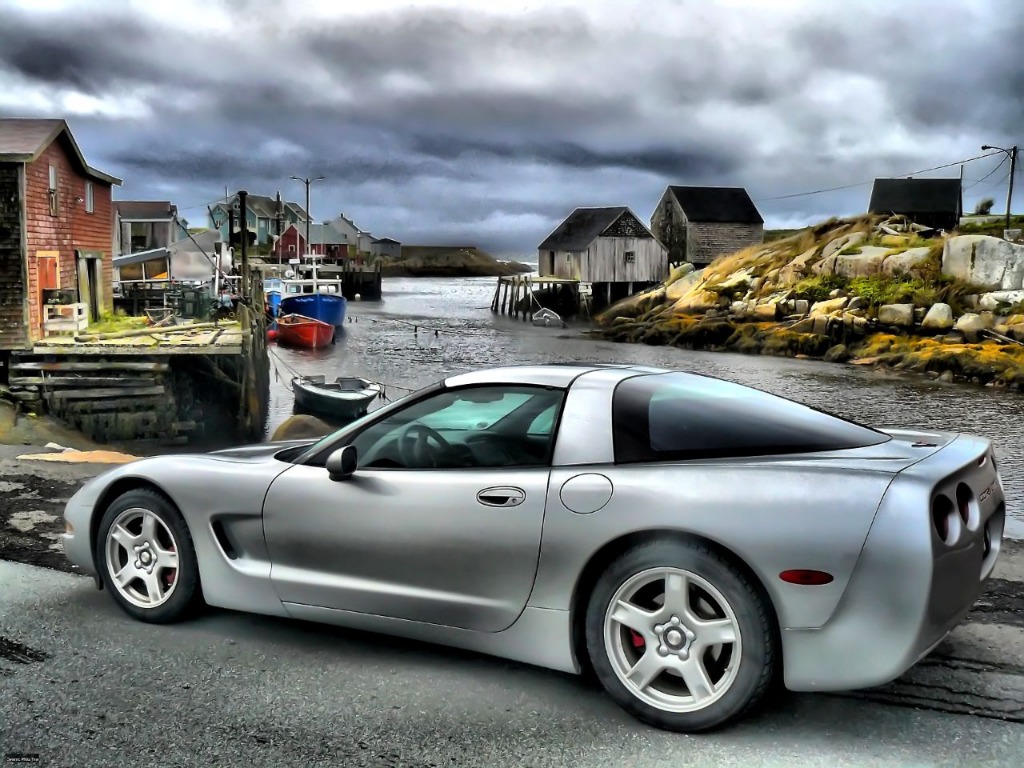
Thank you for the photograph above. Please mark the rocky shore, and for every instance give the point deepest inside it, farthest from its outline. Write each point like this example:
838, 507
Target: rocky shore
866, 291
438, 261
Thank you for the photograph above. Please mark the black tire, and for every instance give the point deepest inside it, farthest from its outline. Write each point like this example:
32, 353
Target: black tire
753, 617
186, 597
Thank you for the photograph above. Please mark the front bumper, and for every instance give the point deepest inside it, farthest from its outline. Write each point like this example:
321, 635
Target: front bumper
77, 538
910, 589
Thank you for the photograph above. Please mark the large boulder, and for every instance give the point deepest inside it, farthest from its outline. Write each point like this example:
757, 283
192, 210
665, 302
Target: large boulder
901, 315
996, 299
938, 318
829, 306
301, 426
970, 325
989, 262
798, 268
679, 288
864, 264
696, 302
905, 262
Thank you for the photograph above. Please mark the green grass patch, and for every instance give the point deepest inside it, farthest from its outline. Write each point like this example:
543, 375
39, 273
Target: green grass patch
112, 322
818, 288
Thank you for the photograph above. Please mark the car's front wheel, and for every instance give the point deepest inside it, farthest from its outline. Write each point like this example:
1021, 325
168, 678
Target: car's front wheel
679, 637
146, 557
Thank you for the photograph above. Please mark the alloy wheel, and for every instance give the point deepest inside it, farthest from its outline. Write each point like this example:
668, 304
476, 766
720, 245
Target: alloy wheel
672, 639
142, 557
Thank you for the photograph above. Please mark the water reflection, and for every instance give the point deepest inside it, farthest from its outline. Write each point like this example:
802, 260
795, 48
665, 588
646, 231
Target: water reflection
426, 329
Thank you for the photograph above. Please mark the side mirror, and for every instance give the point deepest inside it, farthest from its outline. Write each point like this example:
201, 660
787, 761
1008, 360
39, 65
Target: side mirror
342, 463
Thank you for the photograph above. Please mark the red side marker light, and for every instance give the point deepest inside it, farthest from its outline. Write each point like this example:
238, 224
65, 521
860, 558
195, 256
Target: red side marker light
806, 578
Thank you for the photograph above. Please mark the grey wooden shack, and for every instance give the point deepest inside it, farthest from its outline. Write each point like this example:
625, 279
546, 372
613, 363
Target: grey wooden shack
608, 248
699, 224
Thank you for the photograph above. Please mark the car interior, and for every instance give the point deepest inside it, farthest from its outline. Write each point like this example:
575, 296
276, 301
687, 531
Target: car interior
476, 427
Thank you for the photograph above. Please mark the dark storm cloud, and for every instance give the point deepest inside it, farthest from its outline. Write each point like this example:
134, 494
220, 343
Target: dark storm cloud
707, 161
41, 48
440, 122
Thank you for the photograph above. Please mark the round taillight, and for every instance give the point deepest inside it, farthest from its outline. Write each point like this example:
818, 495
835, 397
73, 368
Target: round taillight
942, 513
963, 502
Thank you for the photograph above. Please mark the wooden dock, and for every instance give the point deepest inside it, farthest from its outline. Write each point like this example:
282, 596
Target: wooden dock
515, 295
177, 384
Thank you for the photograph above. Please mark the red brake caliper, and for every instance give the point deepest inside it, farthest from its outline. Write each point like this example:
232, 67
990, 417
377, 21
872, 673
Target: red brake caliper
638, 640
172, 573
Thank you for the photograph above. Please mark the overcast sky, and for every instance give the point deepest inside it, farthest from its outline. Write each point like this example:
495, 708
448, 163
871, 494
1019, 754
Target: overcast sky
487, 122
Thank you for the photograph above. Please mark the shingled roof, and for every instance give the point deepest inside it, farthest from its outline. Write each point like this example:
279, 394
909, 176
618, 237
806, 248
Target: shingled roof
581, 228
717, 205
23, 140
908, 196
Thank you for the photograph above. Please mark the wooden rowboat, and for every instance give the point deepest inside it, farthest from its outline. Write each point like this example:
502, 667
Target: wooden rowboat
344, 398
300, 331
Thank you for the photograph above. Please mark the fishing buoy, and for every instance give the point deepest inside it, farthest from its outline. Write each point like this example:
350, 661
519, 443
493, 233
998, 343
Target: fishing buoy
357, 297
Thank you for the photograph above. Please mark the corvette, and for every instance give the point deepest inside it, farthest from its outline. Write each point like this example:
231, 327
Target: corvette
686, 539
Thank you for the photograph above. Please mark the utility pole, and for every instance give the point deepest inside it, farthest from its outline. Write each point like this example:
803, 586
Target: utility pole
1012, 152
307, 182
242, 195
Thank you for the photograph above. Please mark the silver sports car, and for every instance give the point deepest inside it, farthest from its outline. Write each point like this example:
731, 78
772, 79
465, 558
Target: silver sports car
686, 539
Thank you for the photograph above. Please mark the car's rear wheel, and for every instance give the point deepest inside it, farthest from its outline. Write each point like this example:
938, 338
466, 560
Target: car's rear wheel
679, 637
146, 557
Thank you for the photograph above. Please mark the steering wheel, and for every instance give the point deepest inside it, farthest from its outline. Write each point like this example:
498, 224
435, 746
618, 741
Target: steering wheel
414, 448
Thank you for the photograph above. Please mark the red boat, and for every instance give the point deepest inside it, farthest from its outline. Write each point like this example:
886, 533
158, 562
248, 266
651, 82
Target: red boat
300, 331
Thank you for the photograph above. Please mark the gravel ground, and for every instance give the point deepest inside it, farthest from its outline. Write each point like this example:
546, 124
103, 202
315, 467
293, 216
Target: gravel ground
86, 686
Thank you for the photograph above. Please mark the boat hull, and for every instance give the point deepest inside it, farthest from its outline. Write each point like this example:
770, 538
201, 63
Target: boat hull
297, 331
326, 307
312, 396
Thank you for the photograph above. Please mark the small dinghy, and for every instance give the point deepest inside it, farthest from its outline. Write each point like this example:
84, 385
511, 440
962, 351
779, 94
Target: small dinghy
343, 398
299, 331
547, 317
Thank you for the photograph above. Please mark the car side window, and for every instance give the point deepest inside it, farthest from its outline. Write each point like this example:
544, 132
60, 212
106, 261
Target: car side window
472, 427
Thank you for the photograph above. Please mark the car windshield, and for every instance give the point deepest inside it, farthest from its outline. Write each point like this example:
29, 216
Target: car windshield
678, 416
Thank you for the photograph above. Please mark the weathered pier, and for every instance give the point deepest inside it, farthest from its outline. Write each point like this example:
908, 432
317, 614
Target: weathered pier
176, 384
188, 383
521, 296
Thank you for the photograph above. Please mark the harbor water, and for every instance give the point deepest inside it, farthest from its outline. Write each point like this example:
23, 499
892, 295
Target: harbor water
426, 329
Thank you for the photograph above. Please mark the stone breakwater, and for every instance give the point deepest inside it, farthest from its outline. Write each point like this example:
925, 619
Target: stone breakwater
865, 291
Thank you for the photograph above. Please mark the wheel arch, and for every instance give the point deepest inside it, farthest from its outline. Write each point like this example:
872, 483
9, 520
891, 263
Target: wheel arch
117, 488
604, 556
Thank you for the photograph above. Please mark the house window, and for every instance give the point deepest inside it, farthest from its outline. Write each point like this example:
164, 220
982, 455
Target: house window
629, 257
90, 202
54, 203
291, 249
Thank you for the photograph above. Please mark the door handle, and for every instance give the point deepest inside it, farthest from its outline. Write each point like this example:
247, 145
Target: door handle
501, 497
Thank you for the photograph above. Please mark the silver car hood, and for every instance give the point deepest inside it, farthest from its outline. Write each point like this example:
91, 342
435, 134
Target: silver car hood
258, 451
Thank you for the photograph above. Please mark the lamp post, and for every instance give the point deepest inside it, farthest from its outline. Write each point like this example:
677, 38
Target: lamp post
307, 182
1012, 152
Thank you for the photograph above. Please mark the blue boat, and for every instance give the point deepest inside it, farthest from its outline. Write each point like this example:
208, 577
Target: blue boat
313, 296
326, 307
273, 287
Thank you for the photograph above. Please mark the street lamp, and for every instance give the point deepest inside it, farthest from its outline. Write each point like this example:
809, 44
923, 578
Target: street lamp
307, 182
1012, 152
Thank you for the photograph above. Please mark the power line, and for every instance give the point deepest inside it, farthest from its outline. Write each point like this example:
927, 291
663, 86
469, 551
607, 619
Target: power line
987, 175
865, 183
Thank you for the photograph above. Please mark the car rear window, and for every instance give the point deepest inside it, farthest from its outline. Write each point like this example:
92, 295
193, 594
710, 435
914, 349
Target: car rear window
678, 416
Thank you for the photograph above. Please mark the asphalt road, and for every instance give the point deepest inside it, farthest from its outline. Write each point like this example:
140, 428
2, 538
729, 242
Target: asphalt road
83, 685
